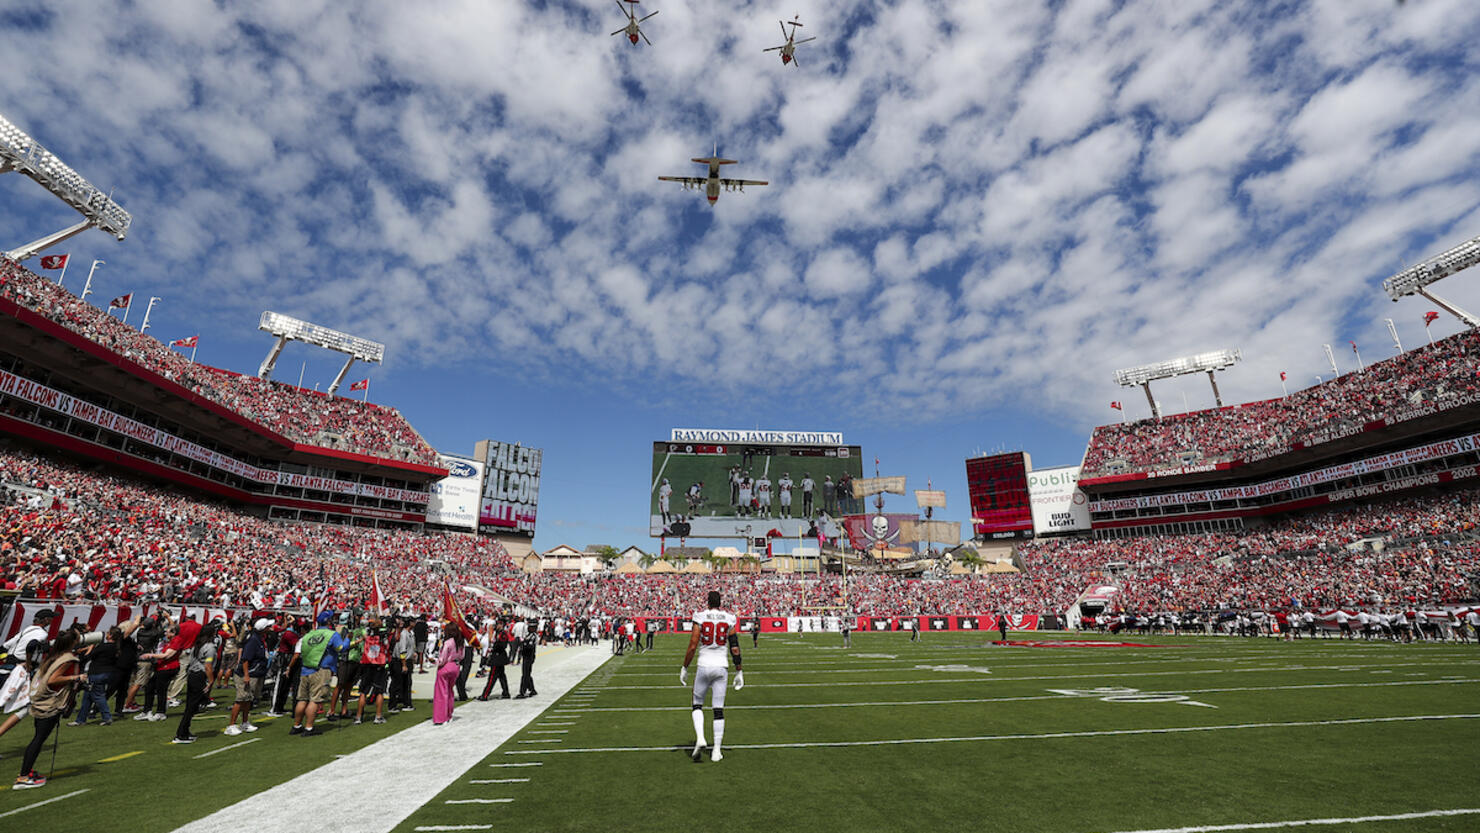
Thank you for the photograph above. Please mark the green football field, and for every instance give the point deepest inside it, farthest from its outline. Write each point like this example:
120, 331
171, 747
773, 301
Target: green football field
713, 470
955, 734
951, 733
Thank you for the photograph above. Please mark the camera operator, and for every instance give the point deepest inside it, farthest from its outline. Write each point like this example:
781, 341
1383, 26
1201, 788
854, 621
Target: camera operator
51, 698
147, 639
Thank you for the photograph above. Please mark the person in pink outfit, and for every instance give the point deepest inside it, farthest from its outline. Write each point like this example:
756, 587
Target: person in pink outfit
449, 665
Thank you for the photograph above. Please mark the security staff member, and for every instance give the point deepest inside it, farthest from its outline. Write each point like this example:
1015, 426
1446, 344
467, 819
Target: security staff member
526, 663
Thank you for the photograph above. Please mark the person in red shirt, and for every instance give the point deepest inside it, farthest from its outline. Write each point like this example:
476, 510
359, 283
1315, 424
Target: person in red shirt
167, 664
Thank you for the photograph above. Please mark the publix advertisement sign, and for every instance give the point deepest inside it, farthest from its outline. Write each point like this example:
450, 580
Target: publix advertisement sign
454, 499
1058, 505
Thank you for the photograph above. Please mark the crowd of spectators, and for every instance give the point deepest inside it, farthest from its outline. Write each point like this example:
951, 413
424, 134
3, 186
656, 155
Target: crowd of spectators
72, 534
301, 415
1438, 376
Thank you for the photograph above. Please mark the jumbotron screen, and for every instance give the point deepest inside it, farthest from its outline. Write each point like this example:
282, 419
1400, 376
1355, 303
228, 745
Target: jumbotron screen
1000, 504
720, 488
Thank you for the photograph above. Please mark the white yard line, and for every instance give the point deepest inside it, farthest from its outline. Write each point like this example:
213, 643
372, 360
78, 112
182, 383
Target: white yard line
439, 827
499, 781
1099, 675
224, 748
1272, 825
479, 801
369, 797
72, 794
1172, 730
968, 700
529, 763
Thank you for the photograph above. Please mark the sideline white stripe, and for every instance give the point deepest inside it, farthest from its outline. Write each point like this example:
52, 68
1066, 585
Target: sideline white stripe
72, 794
373, 799
454, 827
478, 801
224, 748
1270, 825
1098, 676
965, 700
1172, 730
499, 781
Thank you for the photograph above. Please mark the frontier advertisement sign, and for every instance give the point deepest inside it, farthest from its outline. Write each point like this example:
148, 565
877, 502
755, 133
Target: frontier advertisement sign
455, 498
511, 486
1058, 504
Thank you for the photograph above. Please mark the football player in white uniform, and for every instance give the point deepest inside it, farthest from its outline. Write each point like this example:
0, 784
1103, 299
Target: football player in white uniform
785, 485
714, 637
665, 493
763, 496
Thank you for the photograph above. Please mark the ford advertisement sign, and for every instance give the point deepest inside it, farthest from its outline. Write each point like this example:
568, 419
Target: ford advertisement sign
454, 498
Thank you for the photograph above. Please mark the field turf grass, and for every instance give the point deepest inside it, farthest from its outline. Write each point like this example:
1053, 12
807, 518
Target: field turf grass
916, 738
950, 733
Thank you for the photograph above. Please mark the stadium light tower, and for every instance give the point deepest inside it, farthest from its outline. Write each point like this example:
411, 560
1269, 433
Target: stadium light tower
288, 328
1415, 280
1201, 363
20, 153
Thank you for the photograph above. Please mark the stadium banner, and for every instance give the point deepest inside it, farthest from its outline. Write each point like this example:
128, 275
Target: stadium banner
511, 486
746, 436
971, 622
998, 488
1381, 462
876, 532
723, 490
100, 617
1058, 503
455, 498
66, 405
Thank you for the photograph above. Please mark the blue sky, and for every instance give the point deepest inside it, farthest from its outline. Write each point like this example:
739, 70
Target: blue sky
978, 211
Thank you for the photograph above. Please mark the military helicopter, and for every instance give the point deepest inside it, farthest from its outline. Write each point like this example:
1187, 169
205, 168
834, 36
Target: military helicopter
789, 49
632, 29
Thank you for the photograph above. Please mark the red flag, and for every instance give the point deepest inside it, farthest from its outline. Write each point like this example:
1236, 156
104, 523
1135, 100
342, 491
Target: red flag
121, 302
54, 261
185, 342
1116, 406
1430, 317
1354, 346
1282, 376
363, 384
377, 601
451, 613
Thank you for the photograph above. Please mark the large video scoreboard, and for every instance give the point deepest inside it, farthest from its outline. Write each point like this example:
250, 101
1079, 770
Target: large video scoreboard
718, 482
1000, 503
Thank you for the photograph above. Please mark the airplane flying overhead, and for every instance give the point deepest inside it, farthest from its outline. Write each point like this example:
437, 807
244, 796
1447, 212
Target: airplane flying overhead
632, 29
789, 49
712, 183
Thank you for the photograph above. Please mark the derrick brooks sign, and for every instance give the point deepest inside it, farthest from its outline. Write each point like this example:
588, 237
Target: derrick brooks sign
511, 488
746, 436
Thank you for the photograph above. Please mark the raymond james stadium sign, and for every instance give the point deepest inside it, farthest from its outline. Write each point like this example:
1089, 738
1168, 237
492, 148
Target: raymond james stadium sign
756, 437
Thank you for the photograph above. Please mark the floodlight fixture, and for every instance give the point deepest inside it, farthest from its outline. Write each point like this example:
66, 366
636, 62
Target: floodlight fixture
1208, 363
22, 154
287, 328
1415, 280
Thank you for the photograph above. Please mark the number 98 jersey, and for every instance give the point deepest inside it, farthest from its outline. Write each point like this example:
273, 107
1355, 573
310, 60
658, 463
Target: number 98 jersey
714, 628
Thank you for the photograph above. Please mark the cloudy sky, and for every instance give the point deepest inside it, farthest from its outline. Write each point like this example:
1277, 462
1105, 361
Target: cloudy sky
977, 210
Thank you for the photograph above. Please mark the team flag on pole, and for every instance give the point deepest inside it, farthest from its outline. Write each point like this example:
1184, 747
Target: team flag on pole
377, 599
54, 261
1430, 317
186, 342
452, 613
1283, 377
1116, 406
1354, 346
363, 384
122, 301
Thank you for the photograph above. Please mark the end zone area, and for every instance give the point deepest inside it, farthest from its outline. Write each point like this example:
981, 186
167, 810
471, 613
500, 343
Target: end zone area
953, 732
